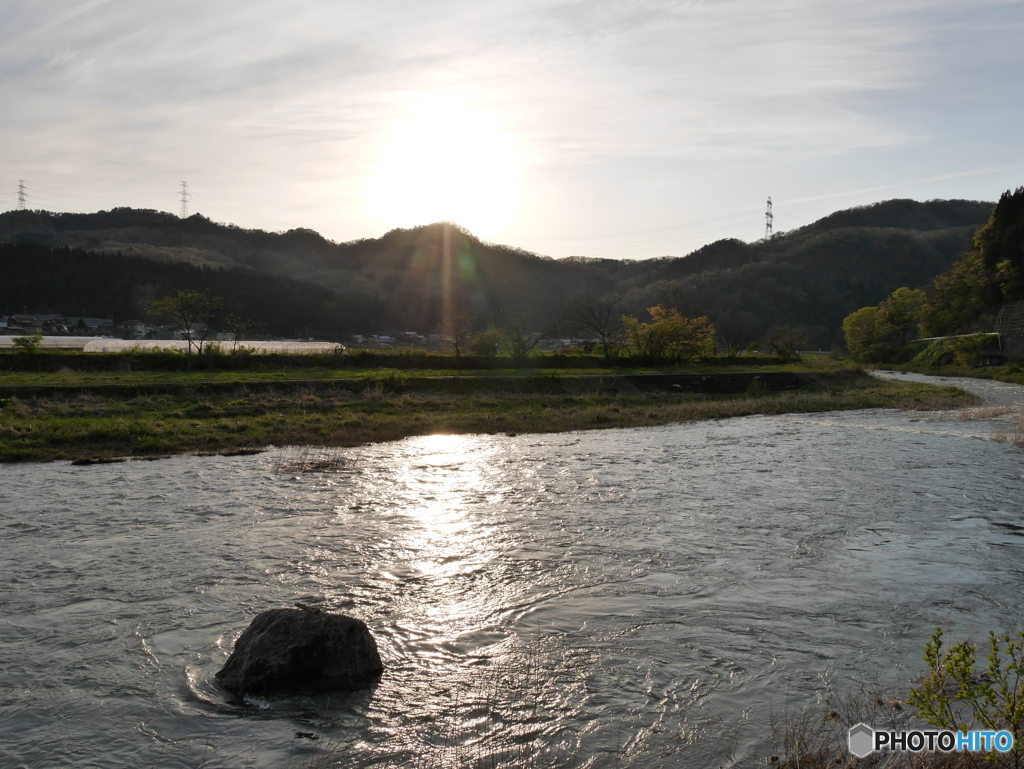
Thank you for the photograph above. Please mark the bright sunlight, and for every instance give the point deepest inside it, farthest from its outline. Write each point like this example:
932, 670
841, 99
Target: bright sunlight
446, 162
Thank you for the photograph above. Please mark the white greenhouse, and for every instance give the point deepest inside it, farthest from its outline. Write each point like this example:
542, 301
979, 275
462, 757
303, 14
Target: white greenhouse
106, 344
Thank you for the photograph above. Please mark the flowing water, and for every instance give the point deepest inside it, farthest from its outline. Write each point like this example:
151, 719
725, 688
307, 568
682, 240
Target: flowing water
642, 597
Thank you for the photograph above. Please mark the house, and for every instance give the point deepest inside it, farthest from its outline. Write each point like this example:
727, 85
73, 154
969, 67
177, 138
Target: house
24, 324
133, 329
54, 324
411, 338
86, 326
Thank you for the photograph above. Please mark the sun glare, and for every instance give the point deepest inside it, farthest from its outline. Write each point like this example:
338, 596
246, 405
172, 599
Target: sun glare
446, 162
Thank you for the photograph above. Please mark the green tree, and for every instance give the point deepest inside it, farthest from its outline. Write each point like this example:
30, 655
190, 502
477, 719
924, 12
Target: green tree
784, 341
899, 316
242, 329
880, 333
859, 330
966, 297
961, 297
1001, 240
190, 313
488, 343
670, 336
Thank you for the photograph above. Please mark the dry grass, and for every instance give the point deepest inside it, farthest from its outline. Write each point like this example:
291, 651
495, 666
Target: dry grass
1015, 438
970, 414
310, 459
816, 738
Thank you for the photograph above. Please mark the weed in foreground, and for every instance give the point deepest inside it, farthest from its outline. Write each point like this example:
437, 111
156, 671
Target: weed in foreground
816, 738
957, 695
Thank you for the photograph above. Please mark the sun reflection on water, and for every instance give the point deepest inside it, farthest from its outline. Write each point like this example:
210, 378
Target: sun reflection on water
451, 546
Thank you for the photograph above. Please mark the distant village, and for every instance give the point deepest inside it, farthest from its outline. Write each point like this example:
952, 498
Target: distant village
73, 326
55, 324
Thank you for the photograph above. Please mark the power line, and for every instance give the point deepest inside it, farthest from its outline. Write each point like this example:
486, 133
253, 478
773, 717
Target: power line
611, 236
690, 236
184, 200
688, 242
218, 206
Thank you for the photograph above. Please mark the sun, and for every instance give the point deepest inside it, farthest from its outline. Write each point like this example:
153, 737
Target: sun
445, 161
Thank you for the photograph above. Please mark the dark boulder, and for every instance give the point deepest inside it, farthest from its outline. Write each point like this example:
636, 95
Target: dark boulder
293, 651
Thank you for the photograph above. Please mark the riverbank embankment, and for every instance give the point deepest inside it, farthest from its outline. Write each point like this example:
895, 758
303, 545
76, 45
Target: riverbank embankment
134, 417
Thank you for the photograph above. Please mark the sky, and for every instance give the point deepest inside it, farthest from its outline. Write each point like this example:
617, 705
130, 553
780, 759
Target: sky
615, 129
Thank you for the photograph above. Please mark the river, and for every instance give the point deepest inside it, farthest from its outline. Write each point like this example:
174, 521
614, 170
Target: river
642, 597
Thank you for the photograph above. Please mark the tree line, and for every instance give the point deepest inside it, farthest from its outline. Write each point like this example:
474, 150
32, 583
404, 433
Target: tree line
964, 299
415, 279
74, 281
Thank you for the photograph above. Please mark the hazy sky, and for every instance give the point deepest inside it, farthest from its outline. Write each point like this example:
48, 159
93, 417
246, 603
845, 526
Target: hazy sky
633, 128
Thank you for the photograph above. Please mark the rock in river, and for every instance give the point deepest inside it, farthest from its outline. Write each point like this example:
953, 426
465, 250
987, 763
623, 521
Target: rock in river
293, 651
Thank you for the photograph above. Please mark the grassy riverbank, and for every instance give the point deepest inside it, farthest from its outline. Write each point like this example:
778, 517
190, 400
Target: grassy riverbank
136, 421
70, 368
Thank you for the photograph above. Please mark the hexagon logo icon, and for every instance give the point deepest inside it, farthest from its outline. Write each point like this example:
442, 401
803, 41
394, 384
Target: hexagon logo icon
861, 739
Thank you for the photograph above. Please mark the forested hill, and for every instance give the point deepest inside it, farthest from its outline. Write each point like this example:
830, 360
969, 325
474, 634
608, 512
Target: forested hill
76, 282
811, 277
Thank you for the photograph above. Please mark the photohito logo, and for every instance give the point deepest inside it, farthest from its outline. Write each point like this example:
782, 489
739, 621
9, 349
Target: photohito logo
864, 740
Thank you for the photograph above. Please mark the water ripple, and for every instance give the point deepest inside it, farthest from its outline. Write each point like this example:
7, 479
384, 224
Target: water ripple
626, 597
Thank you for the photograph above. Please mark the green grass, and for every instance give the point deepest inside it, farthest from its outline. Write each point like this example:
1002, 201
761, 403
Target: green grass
89, 426
74, 368
71, 377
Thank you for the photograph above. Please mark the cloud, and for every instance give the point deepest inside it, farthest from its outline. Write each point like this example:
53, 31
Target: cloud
299, 96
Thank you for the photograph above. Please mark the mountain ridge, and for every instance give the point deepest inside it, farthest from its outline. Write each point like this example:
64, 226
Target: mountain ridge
811, 276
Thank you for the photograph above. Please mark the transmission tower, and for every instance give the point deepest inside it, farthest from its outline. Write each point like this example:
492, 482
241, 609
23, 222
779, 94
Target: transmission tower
768, 219
22, 197
185, 195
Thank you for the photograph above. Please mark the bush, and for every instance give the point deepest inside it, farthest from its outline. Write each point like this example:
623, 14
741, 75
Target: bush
967, 350
387, 380
487, 343
955, 696
784, 341
935, 353
31, 344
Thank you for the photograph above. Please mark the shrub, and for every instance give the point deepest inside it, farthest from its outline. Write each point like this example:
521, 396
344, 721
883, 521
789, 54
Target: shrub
29, 344
935, 353
784, 341
387, 380
967, 350
487, 343
956, 696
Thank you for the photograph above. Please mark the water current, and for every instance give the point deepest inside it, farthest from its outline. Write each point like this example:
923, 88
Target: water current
641, 597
